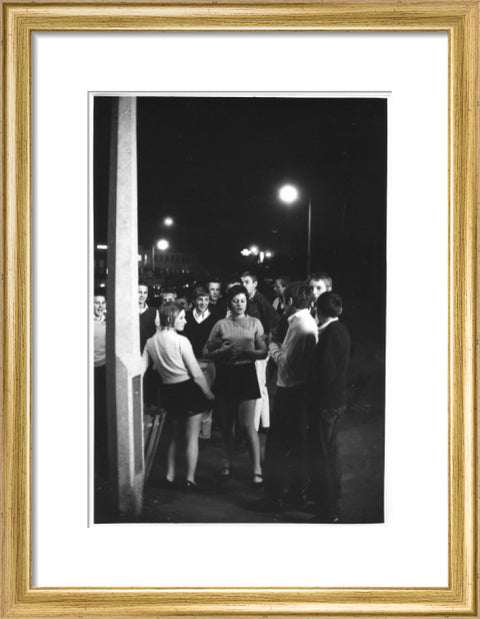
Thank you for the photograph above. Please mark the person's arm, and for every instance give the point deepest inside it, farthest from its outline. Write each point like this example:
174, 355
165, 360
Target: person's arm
260, 351
212, 342
327, 361
277, 353
194, 369
145, 360
215, 348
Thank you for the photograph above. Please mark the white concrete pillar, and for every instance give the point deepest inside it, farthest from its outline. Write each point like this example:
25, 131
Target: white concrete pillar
124, 380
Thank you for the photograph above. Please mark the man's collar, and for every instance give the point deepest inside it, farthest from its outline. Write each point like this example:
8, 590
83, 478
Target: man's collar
141, 311
326, 323
298, 312
204, 314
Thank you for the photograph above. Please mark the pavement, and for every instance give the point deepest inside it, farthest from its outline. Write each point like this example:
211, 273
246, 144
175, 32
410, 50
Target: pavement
361, 444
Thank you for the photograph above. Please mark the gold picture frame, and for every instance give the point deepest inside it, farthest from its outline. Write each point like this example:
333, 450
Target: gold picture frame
461, 21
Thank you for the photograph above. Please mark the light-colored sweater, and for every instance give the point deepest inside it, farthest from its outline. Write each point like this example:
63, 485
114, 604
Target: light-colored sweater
247, 332
99, 333
172, 356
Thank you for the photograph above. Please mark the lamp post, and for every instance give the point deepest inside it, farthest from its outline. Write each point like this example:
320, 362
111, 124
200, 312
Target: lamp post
289, 194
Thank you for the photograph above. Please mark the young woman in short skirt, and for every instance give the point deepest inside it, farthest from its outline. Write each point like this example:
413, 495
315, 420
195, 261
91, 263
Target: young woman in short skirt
185, 392
234, 344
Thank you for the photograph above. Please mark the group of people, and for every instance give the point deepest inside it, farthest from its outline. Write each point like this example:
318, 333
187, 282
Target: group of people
223, 352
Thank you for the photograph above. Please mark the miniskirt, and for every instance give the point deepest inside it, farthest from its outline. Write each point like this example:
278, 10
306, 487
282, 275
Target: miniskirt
183, 399
237, 381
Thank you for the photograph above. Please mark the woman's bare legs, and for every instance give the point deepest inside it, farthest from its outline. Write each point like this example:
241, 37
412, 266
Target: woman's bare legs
246, 414
171, 451
192, 432
227, 409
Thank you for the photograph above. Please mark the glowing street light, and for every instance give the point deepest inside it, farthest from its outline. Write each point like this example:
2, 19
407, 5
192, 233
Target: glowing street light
255, 251
163, 244
289, 194
168, 221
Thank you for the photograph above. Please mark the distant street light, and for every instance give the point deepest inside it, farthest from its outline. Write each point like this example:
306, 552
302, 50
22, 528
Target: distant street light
289, 194
255, 251
168, 221
163, 244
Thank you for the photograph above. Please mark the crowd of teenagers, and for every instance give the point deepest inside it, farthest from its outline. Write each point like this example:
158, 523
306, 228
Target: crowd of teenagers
276, 367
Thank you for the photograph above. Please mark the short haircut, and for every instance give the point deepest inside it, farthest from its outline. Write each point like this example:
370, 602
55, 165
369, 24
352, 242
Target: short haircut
168, 291
199, 291
168, 313
100, 292
214, 280
330, 304
283, 279
233, 291
300, 295
250, 274
143, 284
321, 275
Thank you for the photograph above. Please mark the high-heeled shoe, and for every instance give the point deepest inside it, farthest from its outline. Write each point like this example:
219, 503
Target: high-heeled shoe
191, 486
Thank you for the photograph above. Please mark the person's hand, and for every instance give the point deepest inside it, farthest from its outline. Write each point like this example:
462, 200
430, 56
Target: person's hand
231, 349
209, 395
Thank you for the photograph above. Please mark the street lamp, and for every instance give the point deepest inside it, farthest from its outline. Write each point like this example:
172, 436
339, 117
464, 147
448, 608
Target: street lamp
289, 194
261, 254
162, 245
168, 221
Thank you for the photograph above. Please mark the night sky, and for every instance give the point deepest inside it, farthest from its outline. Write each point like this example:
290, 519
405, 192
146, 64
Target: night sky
215, 165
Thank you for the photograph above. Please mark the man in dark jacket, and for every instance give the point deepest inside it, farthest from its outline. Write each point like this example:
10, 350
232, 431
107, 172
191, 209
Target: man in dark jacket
148, 320
327, 401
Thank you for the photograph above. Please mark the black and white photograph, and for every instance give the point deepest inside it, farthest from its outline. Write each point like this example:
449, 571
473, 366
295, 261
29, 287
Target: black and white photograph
238, 293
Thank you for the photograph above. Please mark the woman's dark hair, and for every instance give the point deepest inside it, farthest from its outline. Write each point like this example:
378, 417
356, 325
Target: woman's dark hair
233, 291
168, 313
330, 304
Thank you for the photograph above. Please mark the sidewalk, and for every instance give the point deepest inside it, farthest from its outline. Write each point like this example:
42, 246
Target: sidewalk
225, 501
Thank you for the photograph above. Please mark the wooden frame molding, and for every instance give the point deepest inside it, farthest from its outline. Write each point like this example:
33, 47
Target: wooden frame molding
461, 21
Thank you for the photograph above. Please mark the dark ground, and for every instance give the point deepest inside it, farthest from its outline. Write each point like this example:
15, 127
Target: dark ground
361, 438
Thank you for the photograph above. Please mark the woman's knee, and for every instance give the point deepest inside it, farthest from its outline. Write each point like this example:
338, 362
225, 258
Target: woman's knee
193, 426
